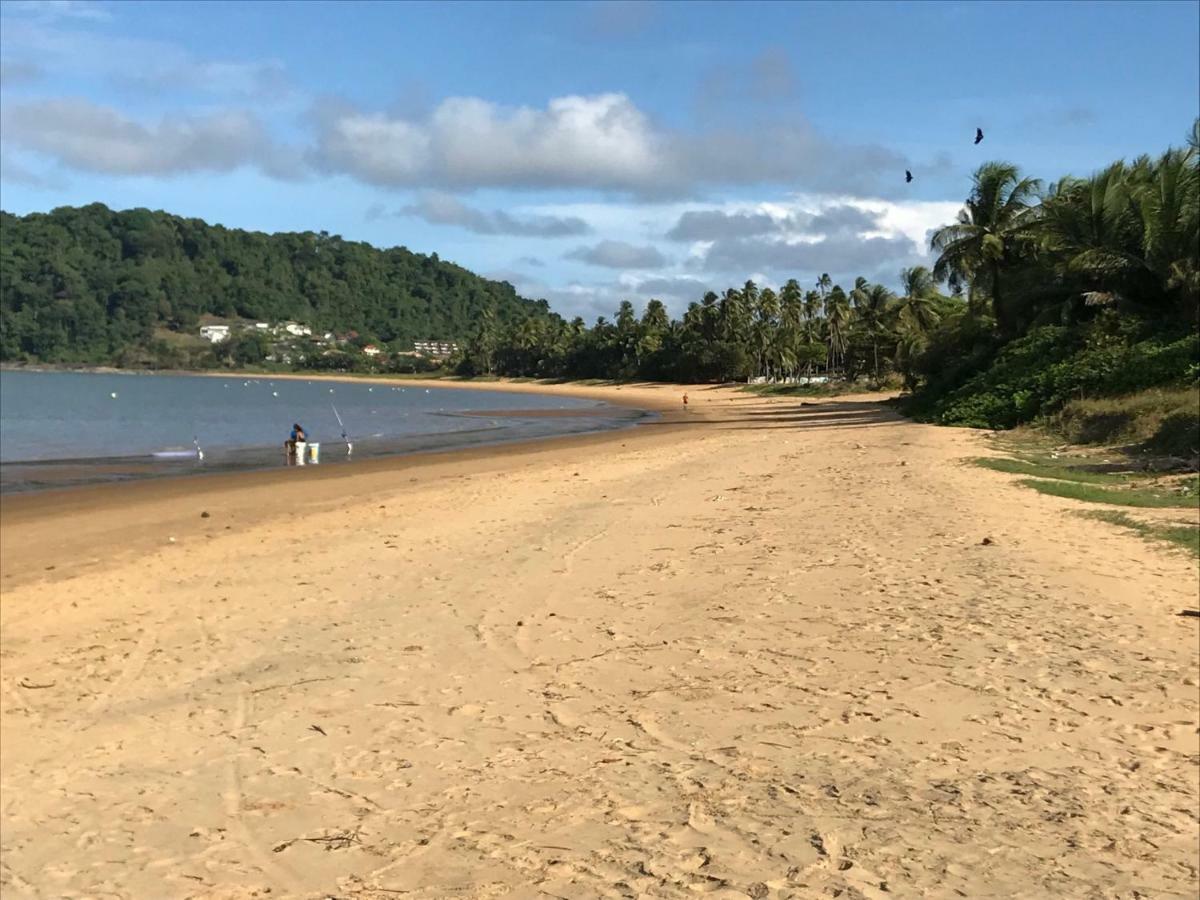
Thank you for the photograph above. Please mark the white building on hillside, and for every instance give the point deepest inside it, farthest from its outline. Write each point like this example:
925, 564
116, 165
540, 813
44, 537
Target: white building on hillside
214, 333
435, 348
294, 328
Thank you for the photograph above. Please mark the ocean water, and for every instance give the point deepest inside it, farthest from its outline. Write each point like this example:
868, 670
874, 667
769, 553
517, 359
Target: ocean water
59, 428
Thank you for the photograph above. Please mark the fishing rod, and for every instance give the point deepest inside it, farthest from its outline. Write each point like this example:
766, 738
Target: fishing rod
349, 446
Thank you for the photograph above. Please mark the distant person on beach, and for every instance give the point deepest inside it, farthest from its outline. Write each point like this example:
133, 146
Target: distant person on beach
685, 406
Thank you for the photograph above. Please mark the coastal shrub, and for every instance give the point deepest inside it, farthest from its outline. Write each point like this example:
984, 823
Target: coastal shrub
1039, 374
1159, 417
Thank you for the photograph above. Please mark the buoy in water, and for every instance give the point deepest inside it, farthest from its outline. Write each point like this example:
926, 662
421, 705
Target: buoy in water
274, 393
113, 395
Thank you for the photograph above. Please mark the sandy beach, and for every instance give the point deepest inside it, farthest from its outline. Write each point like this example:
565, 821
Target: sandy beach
760, 649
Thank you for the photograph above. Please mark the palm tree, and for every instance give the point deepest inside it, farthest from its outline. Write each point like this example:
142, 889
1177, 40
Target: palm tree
709, 312
837, 321
731, 314
992, 232
809, 337
824, 283
812, 305
873, 311
791, 305
915, 308
655, 318
1130, 232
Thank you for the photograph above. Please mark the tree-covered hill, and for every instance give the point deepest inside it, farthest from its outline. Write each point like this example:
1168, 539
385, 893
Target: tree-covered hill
92, 285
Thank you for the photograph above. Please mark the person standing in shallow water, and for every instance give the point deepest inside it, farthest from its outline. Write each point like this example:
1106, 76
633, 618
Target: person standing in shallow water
685, 401
297, 437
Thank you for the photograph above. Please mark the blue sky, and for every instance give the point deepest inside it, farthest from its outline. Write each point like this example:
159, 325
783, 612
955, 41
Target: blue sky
586, 152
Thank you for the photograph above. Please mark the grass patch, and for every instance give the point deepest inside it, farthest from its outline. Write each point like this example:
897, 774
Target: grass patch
1186, 537
1044, 470
1164, 497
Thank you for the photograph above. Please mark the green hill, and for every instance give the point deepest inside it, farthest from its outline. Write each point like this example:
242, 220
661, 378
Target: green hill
92, 285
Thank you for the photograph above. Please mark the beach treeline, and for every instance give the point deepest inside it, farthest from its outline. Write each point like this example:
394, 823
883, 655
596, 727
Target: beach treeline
1043, 298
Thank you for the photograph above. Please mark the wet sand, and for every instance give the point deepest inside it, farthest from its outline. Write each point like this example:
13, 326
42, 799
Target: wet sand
758, 649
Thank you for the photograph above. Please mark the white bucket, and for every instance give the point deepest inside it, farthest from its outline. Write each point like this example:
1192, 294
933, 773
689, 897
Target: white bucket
301, 452
314, 453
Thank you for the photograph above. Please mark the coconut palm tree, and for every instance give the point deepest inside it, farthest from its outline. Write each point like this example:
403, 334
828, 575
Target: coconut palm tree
655, 317
791, 305
915, 307
731, 316
837, 323
812, 305
1130, 232
992, 231
873, 311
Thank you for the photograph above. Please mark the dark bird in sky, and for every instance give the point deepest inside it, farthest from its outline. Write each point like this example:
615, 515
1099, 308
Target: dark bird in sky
978, 135
907, 176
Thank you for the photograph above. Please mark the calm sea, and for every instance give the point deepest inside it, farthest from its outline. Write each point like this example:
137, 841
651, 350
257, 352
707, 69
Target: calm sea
61, 428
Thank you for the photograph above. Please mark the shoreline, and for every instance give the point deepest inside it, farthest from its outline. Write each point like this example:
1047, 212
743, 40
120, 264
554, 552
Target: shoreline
127, 471
53, 533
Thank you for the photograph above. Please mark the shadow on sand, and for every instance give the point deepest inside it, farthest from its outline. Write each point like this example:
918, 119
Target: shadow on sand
760, 415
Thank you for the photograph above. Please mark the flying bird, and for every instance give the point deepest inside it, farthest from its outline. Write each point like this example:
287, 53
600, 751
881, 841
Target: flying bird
978, 135
907, 176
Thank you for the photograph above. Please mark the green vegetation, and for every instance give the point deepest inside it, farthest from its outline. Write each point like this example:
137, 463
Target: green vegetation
1042, 470
1149, 498
91, 285
1162, 420
790, 334
1186, 537
1084, 477
1087, 289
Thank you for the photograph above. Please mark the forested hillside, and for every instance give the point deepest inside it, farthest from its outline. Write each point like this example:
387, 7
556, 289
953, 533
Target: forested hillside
91, 285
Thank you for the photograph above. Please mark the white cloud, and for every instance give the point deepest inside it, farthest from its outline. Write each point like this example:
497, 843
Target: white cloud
676, 291
443, 209
619, 255
14, 171
92, 138
602, 141
48, 10
773, 240
599, 142
148, 66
